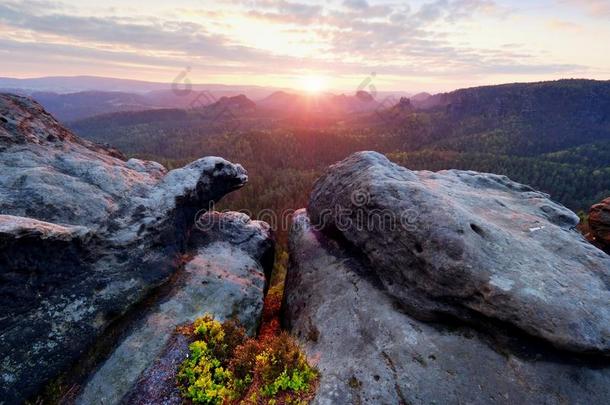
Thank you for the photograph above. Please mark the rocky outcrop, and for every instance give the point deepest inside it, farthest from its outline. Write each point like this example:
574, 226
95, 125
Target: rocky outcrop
448, 287
599, 224
471, 246
224, 276
85, 235
369, 350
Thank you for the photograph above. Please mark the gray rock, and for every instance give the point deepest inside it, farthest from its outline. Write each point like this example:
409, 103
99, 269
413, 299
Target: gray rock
35, 258
223, 277
252, 237
84, 236
157, 384
476, 247
369, 350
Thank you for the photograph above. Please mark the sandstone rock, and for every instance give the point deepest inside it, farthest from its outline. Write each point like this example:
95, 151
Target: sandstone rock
225, 276
35, 258
599, 224
472, 246
85, 235
369, 350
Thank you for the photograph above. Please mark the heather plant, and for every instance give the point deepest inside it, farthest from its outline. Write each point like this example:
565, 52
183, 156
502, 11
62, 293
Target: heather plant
224, 367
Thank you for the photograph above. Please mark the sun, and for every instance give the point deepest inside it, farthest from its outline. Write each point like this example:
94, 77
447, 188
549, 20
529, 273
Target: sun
313, 84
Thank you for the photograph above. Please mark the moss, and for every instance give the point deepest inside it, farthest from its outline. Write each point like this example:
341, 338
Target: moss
271, 313
278, 274
224, 366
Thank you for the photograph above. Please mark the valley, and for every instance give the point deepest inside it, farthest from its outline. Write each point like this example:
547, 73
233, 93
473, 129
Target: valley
554, 136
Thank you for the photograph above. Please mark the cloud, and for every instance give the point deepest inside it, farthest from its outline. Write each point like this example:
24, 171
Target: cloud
562, 25
455, 10
397, 35
350, 37
139, 34
284, 10
356, 4
596, 8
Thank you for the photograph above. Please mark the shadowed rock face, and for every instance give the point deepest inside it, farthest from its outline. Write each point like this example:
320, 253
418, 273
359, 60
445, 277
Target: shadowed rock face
369, 351
84, 235
599, 224
472, 246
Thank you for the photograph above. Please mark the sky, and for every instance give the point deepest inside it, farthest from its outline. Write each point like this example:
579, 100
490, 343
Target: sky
343, 45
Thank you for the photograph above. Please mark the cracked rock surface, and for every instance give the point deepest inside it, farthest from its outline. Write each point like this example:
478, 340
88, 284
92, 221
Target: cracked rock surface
221, 277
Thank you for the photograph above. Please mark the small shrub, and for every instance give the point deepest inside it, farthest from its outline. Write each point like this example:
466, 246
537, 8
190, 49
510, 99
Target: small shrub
224, 366
244, 359
281, 354
271, 312
203, 377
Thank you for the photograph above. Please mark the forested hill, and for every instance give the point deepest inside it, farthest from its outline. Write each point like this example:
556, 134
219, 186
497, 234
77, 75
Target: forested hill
521, 119
554, 136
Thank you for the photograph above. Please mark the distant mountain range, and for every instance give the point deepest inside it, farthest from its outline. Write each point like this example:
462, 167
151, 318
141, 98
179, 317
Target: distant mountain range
74, 84
75, 98
73, 107
326, 103
197, 109
76, 106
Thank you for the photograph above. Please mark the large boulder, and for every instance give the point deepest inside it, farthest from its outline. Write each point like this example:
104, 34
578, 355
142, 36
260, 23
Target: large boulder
369, 350
477, 248
84, 236
599, 224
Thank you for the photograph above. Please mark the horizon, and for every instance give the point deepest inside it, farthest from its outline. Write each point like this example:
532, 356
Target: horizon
432, 46
262, 87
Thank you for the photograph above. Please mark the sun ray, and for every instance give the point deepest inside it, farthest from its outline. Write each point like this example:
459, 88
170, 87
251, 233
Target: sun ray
313, 84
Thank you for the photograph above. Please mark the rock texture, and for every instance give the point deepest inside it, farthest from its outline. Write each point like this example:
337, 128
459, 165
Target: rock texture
450, 287
599, 224
224, 276
84, 235
470, 246
369, 350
